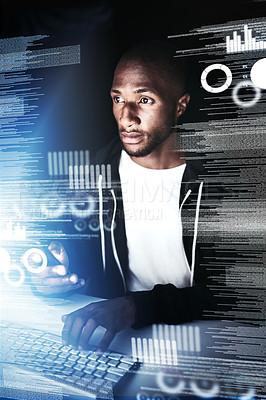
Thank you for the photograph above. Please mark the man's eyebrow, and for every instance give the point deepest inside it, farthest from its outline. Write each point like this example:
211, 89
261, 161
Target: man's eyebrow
141, 90
144, 90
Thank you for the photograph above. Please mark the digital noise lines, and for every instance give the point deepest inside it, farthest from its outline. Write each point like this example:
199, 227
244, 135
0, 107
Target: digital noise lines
236, 45
76, 166
167, 341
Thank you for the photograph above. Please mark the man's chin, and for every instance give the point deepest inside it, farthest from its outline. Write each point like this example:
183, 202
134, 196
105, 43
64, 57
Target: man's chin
140, 152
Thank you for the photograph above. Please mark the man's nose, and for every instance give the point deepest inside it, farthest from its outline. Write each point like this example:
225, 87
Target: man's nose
129, 116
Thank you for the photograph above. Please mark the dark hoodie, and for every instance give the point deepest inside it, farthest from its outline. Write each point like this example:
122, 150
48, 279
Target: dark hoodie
103, 259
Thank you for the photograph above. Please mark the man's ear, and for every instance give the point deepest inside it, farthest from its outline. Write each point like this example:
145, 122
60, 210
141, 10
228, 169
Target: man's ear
182, 104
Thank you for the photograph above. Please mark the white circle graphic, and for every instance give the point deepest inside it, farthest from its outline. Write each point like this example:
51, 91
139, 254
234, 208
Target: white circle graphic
83, 207
53, 209
42, 257
20, 280
205, 393
178, 388
221, 88
80, 225
94, 225
258, 74
245, 104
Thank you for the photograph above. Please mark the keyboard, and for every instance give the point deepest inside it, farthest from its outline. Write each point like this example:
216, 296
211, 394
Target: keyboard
91, 372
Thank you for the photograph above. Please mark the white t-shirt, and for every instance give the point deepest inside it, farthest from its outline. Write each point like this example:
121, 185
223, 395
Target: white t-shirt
153, 225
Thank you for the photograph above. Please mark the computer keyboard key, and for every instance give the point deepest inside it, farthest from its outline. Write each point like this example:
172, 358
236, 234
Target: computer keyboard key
57, 346
72, 357
78, 374
54, 352
115, 371
102, 367
84, 354
59, 361
69, 364
115, 356
50, 357
112, 377
112, 363
126, 359
74, 351
103, 359
82, 361
67, 372
93, 356
64, 355
70, 379
124, 366
78, 367
54, 338
99, 373
88, 370
92, 363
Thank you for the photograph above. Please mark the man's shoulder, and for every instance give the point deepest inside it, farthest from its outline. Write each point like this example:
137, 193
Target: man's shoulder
108, 154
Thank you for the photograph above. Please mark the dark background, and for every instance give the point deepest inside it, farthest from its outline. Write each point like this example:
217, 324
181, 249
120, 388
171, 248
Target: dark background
75, 111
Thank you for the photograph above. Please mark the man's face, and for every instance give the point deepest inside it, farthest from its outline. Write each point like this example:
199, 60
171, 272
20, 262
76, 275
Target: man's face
144, 106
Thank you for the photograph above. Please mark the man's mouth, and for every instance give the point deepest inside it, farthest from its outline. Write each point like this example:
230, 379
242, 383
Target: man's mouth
131, 138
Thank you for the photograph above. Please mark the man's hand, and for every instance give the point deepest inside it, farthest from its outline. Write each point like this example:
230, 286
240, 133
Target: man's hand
114, 315
55, 280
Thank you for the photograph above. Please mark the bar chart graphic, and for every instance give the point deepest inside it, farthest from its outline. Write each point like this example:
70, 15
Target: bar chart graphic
166, 342
87, 176
59, 162
76, 166
249, 43
13, 232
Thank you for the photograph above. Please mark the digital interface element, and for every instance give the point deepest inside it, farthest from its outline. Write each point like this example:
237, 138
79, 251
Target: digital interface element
10, 232
35, 260
87, 176
229, 136
246, 103
167, 342
16, 261
154, 351
60, 161
204, 388
221, 88
76, 166
14, 275
257, 74
23, 61
171, 383
248, 44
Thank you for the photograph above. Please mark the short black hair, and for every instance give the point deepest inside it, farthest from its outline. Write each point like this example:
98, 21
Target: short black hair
161, 53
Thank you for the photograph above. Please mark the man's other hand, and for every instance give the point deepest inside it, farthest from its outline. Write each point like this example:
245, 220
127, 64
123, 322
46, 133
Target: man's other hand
56, 279
114, 315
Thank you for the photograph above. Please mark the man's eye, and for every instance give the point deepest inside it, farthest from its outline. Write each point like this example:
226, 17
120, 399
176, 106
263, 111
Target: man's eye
118, 99
145, 100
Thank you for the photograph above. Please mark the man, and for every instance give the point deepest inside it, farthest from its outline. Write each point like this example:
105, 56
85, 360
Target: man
148, 269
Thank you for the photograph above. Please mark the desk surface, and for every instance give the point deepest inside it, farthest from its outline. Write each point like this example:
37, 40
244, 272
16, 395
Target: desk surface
213, 357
